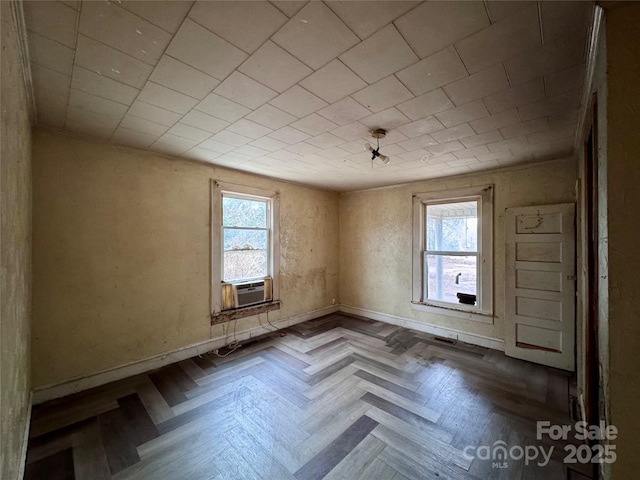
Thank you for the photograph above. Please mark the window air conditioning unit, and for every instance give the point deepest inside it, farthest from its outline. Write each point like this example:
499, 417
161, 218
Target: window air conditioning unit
237, 295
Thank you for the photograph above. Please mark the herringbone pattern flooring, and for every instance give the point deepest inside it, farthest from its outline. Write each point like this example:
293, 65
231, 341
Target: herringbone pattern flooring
336, 398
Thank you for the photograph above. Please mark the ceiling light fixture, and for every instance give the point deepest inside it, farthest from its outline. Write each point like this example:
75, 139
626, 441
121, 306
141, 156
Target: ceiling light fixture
377, 134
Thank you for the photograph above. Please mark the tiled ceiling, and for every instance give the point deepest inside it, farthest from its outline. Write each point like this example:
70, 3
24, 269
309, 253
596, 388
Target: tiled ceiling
292, 89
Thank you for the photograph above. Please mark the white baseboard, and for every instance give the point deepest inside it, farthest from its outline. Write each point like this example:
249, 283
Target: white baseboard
472, 338
25, 440
79, 384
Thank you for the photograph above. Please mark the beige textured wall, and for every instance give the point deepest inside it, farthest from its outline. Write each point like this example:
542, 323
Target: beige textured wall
375, 238
623, 180
122, 254
15, 254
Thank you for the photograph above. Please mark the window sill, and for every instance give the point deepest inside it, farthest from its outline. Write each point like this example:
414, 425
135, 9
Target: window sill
236, 313
475, 316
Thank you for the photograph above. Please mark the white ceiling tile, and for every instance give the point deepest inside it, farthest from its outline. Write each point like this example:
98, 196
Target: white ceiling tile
394, 136
172, 144
111, 63
305, 35
205, 122
465, 113
565, 19
289, 135
198, 47
352, 131
167, 15
380, 55
143, 125
515, 142
271, 117
561, 103
482, 139
91, 121
549, 58
102, 86
345, 111
132, 138
422, 141
425, 105
245, 24
325, 140
502, 40
303, 149
269, 144
285, 155
274, 67
222, 108
471, 152
49, 83
435, 71
298, 101
367, 17
355, 146
493, 122
421, 127
166, 98
122, 30
501, 9
92, 103
251, 152
199, 153
335, 153
187, 131
388, 119
183, 78
515, 96
415, 155
333, 82
53, 20
453, 133
153, 113
50, 54
478, 85
314, 124
215, 146
230, 138
244, 90
232, 160
435, 25
383, 94
564, 81
443, 148
525, 128
289, 7
249, 129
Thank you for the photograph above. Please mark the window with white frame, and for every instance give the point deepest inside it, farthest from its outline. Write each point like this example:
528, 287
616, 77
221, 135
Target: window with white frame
452, 254
246, 232
244, 241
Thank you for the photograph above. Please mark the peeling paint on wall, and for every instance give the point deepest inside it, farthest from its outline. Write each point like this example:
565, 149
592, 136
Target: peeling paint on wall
376, 236
122, 255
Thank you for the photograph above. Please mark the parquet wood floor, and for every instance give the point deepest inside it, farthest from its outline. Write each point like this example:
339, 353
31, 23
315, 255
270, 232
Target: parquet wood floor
338, 397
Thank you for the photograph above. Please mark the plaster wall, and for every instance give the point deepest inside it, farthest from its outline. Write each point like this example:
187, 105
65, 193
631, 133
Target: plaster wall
122, 255
376, 238
15, 253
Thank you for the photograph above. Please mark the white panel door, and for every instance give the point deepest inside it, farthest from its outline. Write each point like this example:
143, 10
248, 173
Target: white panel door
540, 284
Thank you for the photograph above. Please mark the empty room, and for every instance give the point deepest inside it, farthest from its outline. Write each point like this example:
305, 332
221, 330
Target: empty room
319, 240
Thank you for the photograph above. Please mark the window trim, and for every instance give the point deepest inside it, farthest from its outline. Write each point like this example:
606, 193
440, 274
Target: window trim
484, 311
217, 190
